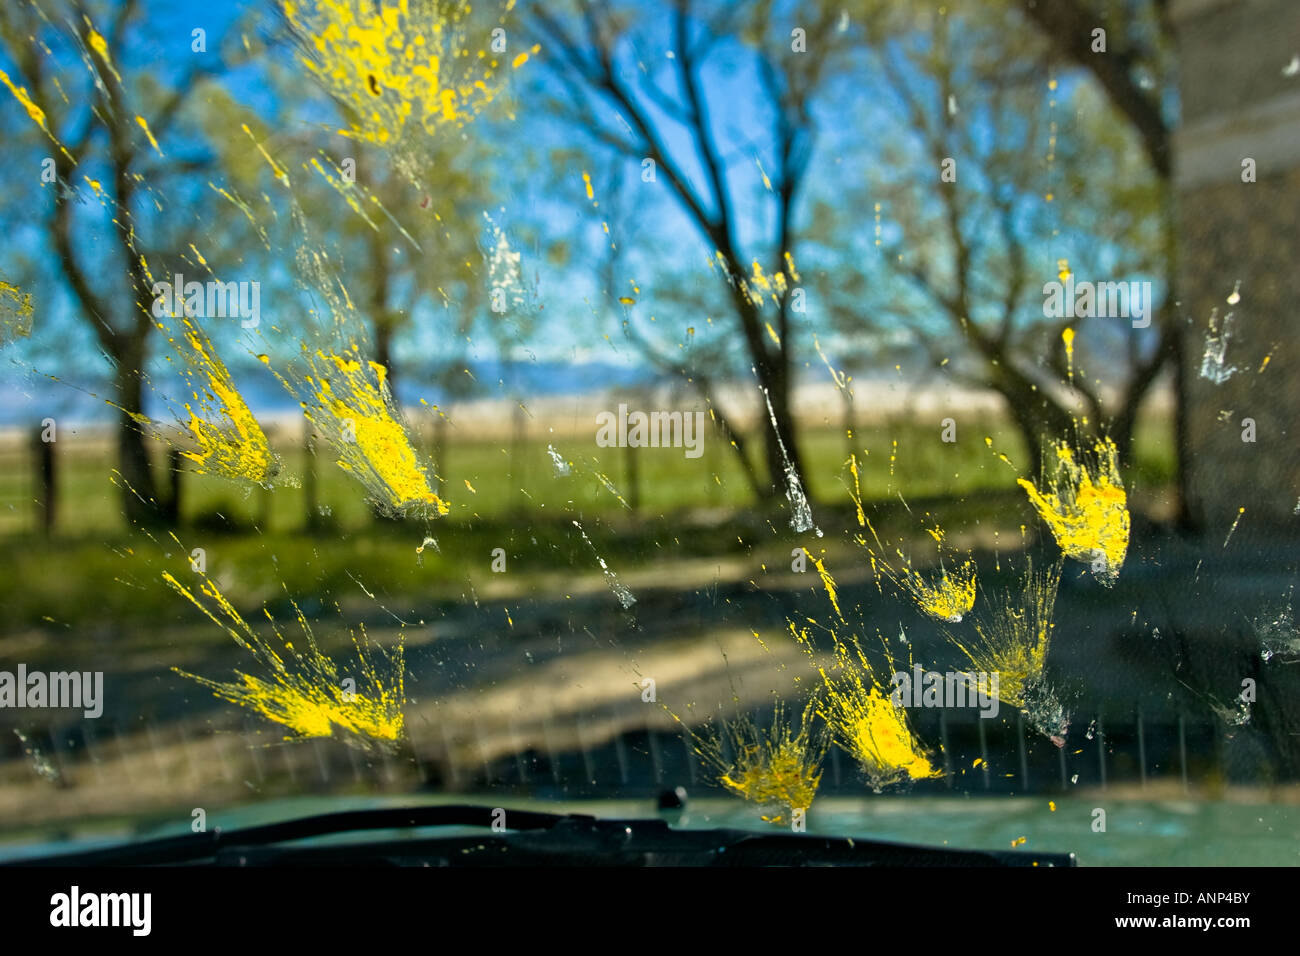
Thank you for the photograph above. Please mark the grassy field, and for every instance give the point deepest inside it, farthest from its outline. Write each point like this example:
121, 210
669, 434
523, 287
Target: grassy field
492, 479
507, 496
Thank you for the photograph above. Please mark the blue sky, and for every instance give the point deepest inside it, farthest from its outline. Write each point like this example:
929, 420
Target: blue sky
577, 324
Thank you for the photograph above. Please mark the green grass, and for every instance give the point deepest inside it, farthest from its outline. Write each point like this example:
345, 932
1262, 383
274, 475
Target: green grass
95, 569
523, 480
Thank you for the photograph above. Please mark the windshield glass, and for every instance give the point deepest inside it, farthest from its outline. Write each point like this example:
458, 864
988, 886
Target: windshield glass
860, 419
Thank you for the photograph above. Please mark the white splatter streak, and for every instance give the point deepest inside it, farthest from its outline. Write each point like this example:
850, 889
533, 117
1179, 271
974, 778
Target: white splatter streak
1214, 365
801, 518
40, 763
561, 466
505, 271
620, 590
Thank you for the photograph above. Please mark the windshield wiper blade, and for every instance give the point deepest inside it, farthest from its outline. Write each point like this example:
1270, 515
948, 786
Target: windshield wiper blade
189, 847
533, 839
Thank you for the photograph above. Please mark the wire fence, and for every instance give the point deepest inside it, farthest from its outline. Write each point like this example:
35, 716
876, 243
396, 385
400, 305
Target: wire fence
191, 755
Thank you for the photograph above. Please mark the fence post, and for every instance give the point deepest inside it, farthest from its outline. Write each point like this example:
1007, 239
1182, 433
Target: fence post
45, 486
1024, 754
943, 743
1142, 749
175, 465
1101, 751
309, 493
264, 503
984, 752
439, 454
1182, 748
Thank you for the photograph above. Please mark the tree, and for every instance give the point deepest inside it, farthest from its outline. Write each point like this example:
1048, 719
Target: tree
989, 189
1135, 69
654, 109
103, 118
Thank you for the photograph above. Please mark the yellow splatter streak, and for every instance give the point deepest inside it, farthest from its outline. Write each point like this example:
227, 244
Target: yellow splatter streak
1012, 641
828, 582
305, 691
1086, 508
349, 401
397, 67
777, 768
144, 125
759, 288
856, 493
947, 596
281, 173
862, 718
100, 46
34, 112
875, 732
230, 441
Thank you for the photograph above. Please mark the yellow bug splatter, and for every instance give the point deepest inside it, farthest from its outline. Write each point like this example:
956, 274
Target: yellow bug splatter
1086, 508
1012, 640
398, 68
349, 401
304, 690
947, 596
862, 718
777, 768
229, 440
15, 313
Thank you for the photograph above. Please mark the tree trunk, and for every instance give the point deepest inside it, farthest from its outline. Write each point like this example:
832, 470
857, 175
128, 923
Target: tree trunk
384, 351
781, 451
1039, 419
140, 498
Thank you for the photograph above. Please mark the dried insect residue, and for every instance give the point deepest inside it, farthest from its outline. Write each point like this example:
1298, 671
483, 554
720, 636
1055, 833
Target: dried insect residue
1012, 640
1214, 364
947, 595
15, 313
828, 583
625, 597
565, 468
505, 270
759, 287
862, 718
230, 442
305, 692
34, 112
40, 763
801, 518
349, 402
1277, 633
777, 768
1086, 508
